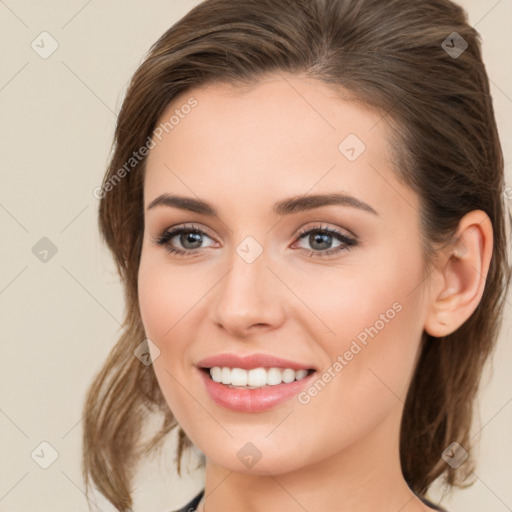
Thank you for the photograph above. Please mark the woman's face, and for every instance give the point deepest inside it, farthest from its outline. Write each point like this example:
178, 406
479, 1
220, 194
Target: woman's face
272, 269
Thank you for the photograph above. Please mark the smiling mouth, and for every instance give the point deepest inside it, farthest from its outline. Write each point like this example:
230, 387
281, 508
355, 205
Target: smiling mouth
255, 378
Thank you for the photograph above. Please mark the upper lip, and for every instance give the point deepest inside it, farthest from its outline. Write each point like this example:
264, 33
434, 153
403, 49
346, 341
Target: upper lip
250, 361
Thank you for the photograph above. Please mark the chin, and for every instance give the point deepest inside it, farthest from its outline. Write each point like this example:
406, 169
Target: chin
275, 465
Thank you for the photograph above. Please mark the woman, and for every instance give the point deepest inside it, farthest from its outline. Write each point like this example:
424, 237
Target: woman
305, 203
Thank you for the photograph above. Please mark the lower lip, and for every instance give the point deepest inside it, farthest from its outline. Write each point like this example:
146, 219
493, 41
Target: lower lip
252, 400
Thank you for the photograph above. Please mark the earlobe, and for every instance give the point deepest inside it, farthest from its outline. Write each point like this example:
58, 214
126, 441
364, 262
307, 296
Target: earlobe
460, 275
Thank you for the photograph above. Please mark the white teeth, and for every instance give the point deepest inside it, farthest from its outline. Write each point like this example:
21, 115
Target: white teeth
300, 374
216, 374
274, 376
238, 377
288, 375
226, 376
256, 377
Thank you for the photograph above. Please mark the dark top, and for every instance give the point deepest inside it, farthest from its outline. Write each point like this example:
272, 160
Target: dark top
191, 507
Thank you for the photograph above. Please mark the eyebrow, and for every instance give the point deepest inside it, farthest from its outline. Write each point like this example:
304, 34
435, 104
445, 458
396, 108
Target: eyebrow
285, 207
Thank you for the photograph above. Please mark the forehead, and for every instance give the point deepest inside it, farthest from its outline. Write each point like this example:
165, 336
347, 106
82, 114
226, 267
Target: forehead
282, 136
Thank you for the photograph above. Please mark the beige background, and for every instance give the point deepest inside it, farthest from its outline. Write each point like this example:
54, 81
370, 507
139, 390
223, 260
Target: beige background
60, 318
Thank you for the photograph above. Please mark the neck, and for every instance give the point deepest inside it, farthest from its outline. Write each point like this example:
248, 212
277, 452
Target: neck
362, 477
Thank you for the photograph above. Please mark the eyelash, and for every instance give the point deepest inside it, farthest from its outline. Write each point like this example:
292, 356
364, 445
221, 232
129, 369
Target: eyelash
348, 242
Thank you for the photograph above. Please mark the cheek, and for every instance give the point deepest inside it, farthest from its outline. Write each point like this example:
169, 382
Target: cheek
166, 294
377, 318
371, 314
354, 301
367, 380
155, 300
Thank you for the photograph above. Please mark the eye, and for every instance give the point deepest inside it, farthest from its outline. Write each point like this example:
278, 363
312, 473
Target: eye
321, 238
190, 238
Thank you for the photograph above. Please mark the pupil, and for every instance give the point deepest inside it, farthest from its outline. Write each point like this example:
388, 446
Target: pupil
320, 238
191, 237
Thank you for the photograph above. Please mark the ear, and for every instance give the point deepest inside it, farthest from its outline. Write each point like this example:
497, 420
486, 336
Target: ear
458, 281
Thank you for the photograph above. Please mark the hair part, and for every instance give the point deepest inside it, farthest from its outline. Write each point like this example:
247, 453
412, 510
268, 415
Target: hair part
386, 55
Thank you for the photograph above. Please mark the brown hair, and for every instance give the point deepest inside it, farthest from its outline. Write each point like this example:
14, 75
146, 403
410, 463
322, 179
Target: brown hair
388, 55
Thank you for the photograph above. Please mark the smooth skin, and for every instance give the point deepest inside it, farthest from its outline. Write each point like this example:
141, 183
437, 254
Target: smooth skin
241, 150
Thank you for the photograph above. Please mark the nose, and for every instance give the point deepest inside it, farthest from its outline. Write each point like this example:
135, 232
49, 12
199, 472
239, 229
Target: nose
248, 299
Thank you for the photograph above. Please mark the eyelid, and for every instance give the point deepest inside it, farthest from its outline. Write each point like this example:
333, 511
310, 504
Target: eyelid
346, 241
321, 226
188, 227
164, 237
